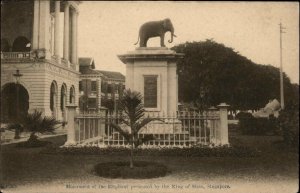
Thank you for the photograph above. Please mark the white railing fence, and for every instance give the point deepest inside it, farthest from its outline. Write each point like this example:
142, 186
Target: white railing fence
183, 129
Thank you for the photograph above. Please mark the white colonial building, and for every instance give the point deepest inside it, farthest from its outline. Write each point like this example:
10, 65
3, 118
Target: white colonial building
39, 41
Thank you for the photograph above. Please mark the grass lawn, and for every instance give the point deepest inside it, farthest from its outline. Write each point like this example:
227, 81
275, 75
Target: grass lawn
276, 170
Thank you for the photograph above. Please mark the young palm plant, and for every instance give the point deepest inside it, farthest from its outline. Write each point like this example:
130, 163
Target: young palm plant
133, 117
35, 123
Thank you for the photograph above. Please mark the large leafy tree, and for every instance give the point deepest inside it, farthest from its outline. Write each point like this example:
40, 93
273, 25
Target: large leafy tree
227, 76
133, 117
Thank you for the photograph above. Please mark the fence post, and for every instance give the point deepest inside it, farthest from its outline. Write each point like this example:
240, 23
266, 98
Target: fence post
223, 130
71, 140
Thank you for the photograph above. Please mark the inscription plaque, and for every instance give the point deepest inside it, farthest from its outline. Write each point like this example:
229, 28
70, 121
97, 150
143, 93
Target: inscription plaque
150, 91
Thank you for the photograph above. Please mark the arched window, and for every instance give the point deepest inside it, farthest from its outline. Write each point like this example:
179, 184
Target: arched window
72, 95
21, 44
63, 94
53, 94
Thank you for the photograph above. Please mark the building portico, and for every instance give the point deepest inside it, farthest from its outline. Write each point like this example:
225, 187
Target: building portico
44, 52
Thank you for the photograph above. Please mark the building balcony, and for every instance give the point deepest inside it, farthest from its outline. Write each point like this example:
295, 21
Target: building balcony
110, 96
30, 56
93, 94
16, 56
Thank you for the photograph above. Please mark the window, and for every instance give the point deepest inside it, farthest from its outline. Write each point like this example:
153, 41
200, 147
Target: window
80, 85
21, 44
94, 86
63, 98
52, 96
72, 95
116, 89
109, 88
103, 87
92, 103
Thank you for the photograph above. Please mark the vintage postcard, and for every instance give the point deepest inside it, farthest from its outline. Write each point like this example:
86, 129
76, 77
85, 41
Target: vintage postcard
149, 97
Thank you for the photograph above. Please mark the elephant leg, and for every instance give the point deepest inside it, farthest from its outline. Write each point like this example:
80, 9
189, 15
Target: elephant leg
146, 40
142, 41
162, 40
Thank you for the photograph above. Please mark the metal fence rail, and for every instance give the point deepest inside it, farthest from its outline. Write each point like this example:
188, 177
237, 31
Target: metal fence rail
182, 129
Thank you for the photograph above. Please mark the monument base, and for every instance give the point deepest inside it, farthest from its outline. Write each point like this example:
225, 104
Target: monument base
158, 127
152, 72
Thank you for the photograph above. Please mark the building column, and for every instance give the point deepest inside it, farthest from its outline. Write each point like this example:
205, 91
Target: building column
66, 31
35, 30
99, 94
56, 29
41, 29
44, 17
74, 37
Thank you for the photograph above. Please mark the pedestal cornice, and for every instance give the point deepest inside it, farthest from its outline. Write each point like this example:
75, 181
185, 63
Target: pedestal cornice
150, 53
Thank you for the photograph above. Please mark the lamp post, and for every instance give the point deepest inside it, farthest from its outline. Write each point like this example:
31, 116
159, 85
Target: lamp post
17, 75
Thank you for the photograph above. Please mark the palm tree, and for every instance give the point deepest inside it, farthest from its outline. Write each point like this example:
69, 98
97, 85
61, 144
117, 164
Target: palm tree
35, 123
133, 113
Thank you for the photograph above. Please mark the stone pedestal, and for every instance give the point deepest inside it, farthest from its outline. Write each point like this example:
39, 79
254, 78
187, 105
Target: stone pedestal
152, 72
71, 126
223, 130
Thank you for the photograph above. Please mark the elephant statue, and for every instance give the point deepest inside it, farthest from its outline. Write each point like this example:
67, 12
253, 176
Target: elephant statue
155, 29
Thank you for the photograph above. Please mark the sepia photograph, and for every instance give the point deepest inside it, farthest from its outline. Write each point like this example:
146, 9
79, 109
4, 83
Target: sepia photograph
149, 97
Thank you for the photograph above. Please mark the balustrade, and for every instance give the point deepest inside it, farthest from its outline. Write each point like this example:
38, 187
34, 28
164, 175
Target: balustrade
16, 55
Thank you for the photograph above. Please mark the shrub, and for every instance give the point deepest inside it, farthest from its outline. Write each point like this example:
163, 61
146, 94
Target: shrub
196, 151
230, 117
33, 142
142, 170
233, 127
257, 126
242, 115
289, 123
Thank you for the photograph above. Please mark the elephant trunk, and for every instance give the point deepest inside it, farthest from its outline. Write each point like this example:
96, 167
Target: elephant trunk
172, 34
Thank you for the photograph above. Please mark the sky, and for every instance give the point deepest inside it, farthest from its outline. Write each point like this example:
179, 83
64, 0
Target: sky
107, 29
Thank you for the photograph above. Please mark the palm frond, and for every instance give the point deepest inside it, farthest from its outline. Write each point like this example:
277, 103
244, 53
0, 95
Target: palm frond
126, 122
48, 124
32, 121
117, 128
14, 126
139, 125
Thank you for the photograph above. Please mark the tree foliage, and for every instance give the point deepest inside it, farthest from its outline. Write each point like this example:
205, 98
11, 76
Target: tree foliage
228, 77
35, 123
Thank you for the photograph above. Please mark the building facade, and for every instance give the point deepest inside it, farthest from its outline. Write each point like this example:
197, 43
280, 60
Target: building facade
31, 43
99, 88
